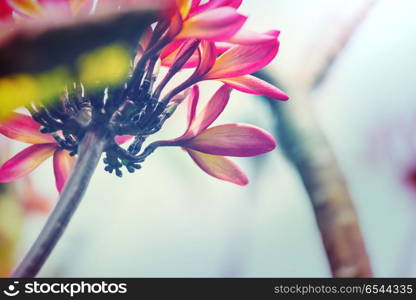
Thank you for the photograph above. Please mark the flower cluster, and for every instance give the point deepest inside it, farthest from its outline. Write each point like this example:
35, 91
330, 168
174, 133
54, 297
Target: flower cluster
205, 36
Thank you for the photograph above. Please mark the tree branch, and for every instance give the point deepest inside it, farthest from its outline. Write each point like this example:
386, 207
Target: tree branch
308, 150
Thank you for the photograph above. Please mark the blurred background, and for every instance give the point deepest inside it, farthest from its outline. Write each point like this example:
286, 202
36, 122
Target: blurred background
346, 134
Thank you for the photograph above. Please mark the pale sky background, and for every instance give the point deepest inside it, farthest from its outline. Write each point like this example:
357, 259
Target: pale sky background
170, 219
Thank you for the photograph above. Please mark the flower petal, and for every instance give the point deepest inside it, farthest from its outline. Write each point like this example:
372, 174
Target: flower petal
26, 7
209, 113
253, 85
214, 4
240, 140
176, 24
56, 6
193, 99
207, 54
5, 11
191, 63
170, 48
217, 24
169, 53
25, 161
32, 200
219, 167
247, 37
81, 7
242, 60
195, 3
23, 128
63, 164
121, 139
184, 53
221, 47
184, 6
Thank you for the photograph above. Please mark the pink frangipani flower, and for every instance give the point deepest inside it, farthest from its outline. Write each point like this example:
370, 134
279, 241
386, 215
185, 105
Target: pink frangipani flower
234, 66
207, 145
24, 129
42, 8
191, 34
216, 20
227, 52
90, 121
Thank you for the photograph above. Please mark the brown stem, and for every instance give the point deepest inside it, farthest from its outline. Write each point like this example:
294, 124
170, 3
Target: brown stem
307, 148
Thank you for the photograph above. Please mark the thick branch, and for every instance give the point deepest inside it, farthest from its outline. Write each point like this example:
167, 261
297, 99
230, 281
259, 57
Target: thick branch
307, 148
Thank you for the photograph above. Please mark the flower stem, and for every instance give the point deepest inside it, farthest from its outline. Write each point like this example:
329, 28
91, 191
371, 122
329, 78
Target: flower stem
90, 150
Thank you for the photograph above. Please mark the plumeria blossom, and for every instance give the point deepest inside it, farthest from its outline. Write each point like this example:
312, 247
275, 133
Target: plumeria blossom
90, 116
207, 145
229, 57
17, 10
216, 20
206, 36
235, 64
24, 129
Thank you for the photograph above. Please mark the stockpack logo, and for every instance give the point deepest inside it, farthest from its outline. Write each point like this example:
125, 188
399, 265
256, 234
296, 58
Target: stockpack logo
65, 288
12, 289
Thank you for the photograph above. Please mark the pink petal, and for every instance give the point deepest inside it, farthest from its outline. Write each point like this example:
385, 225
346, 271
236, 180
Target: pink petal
214, 4
207, 55
233, 140
217, 24
169, 54
25, 7
221, 47
192, 104
253, 85
25, 161
81, 7
191, 63
170, 48
23, 128
184, 53
63, 6
247, 37
243, 60
63, 164
195, 3
32, 200
121, 139
51, 2
219, 167
5, 11
209, 113
176, 24
184, 6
